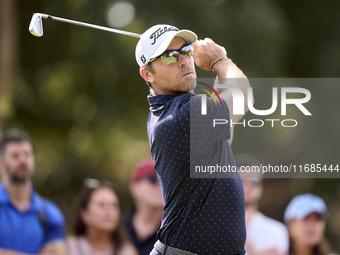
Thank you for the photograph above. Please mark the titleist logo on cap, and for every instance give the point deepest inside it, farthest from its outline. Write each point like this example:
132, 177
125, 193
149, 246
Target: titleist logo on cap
143, 59
155, 35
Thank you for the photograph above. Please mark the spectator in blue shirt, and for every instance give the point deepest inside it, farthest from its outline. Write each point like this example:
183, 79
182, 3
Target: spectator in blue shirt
201, 215
29, 224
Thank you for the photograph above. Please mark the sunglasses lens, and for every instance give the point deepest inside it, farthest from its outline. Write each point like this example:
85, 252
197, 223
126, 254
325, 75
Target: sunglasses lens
170, 57
91, 183
187, 51
152, 179
255, 182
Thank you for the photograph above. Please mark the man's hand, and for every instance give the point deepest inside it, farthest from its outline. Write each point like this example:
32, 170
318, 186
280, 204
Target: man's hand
54, 248
11, 252
207, 53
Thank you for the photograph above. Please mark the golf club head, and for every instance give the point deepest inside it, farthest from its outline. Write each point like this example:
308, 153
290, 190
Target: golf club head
36, 26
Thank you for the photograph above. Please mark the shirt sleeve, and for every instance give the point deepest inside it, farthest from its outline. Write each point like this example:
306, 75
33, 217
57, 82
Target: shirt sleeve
206, 130
56, 223
72, 243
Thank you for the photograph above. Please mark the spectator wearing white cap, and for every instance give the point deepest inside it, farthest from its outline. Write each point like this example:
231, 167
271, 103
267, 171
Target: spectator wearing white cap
305, 217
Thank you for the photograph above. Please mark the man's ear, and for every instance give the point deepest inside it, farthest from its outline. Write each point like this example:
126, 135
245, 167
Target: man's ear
1, 164
146, 74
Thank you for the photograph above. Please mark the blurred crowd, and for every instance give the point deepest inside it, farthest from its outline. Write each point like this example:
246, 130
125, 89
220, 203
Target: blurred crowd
31, 224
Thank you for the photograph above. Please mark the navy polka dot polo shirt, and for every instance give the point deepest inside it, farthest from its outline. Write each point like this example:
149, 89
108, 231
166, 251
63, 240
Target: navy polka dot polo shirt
204, 216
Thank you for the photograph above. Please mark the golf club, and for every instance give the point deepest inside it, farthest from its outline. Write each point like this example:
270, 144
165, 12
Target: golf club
36, 26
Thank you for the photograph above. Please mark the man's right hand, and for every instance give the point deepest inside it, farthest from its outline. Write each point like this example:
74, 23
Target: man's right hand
207, 53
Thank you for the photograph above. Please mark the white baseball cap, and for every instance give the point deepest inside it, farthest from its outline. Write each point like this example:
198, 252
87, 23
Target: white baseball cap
154, 41
303, 205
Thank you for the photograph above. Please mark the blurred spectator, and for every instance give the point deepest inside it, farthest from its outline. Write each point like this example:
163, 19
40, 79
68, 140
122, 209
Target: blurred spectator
28, 223
265, 236
142, 224
305, 217
98, 229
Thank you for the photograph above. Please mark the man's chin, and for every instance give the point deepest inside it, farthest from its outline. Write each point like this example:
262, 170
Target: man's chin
189, 87
20, 179
251, 203
192, 84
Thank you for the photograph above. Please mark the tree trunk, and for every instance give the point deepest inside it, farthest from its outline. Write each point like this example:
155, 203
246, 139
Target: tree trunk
8, 55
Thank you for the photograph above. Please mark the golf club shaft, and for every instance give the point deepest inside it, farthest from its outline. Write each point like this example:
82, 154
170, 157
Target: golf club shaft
45, 16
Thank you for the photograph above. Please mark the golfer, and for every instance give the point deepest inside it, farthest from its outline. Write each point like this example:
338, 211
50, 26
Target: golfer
201, 215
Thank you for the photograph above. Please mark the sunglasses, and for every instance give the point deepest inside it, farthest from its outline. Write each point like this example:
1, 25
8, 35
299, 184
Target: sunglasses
172, 56
95, 184
253, 182
151, 179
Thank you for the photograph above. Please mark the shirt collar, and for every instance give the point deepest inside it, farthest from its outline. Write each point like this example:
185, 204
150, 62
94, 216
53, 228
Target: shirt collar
4, 198
158, 102
35, 201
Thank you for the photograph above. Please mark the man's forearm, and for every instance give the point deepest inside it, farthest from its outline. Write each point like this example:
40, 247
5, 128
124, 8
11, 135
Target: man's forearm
227, 69
210, 56
228, 73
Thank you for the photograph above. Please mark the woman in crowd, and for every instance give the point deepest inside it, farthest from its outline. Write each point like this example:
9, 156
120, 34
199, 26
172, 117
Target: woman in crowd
98, 229
305, 217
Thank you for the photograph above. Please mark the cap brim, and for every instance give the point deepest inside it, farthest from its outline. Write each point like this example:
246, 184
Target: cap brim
304, 213
187, 35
